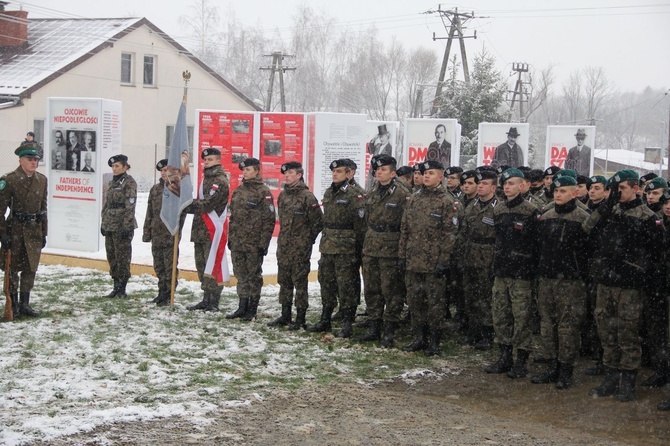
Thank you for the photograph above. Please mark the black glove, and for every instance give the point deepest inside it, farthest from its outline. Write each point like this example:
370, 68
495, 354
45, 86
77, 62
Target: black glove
402, 265
262, 251
440, 270
6, 241
146, 238
103, 232
44, 241
126, 234
190, 209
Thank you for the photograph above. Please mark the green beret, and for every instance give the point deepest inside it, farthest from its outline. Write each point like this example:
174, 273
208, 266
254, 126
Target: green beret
511, 173
624, 175
566, 173
656, 183
665, 197
563, 181
28, 149
598, 179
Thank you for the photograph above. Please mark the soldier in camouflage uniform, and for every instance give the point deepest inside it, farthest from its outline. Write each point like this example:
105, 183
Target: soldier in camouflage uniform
477, 235
406, 174
343, 228
301, 221
514, 268
118, 223
548, 179
469, 187
213, 200
418, 176
384, 209
24, 192
630, 233
162, 242
559, 174
427, 239
454, 284
583, 188
563, 248
535, 176
252, 220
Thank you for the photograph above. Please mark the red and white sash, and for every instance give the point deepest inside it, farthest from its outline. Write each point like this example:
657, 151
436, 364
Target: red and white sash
217, 226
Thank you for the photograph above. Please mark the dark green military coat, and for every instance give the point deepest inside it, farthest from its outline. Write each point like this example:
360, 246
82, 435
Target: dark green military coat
252, 217
343, 220
384, 209
300, 220
118, 212
478, 234
214, 190
28, 198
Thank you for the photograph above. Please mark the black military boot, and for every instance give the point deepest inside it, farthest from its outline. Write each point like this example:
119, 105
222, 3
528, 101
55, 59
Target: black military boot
324, 323
519, 370
347, 323
486, 343
121, 293
337, 316
114, 291
213, 303
163, 299
626, 390
598, 369
610, 384
284, 319
374, 332
564, 375
660, 376
663, 405
299, 323
241, 309
549, 376
389, 333
420, 341
504, 363
16, 309
204, 303
252, 309
433, 348
24, 307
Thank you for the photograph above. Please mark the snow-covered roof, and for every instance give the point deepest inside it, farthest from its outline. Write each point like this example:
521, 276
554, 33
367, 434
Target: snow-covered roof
53, 44
627, 157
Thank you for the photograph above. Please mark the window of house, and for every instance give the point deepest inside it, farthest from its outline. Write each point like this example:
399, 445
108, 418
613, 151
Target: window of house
127, 68
38, 130
169, 135
150, 70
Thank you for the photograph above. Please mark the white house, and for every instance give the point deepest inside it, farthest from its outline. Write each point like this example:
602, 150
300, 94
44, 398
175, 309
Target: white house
125, 59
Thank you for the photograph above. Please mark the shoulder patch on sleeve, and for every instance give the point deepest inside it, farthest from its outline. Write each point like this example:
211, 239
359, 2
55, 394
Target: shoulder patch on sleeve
131, 200
3, 184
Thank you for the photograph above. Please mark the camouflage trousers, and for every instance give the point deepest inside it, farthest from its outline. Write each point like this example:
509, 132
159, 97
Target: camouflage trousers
207, 282
163, 257
561, 304
290, 276
339, 277
477, 284
383, 293
655, 325
248, 270
618, 313
425, 298
119, 253
511, 312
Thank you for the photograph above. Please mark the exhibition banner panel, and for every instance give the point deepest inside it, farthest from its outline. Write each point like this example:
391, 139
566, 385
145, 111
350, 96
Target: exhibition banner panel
382, 137
571, 147
431, 139
503, 143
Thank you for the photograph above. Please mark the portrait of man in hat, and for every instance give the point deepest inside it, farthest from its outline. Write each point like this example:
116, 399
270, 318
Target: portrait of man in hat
509, 153
579, 156
440, 149
380, 145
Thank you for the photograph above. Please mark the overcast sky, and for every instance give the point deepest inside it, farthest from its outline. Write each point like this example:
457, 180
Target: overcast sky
629, 38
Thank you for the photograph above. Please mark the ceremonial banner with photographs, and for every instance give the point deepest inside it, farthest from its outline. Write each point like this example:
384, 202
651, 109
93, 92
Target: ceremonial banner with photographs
232, 132
333, 136
382, 139
502, 143
571, 147
81, 134
431, 139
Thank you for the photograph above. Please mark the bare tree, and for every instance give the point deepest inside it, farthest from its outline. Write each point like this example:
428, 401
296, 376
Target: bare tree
202, 21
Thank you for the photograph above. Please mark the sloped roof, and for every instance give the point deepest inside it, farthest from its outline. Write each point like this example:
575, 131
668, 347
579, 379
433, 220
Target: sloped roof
55, 46
628, 158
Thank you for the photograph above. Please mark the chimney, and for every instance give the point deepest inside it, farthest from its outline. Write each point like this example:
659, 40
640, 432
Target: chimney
13, 27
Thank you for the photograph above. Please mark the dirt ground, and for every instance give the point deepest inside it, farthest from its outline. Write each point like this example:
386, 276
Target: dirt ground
456, 404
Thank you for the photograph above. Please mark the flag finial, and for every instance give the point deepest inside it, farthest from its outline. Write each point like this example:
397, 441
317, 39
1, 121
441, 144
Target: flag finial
186, 75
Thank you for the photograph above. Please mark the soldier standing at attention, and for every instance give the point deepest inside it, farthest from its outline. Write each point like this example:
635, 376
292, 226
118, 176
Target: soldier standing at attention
24, 193
630, 234
427, 238
118, 223
162, 242
383, 291
343, 227
210, 206
301, 221
469, 187
406, 174
548, 178
514, 267
252, 220
537, 185
452, 177
417, 170
561, 293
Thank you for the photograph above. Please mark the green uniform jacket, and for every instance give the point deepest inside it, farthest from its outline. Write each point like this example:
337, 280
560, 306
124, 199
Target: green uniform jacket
215, 193
478, 234
384, 208
118, 212
28, 196
428, 230
300, 220
343, 220
252, 216
154, 229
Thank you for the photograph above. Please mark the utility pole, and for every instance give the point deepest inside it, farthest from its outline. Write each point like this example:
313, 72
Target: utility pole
519, 93
277, 66
454, 22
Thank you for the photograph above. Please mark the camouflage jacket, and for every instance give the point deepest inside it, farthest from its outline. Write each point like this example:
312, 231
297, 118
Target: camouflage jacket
300, 221
154, 229
428, 230
118, 212
516, 223
252, 216
214, 191
343, 220
384, 207
477, 234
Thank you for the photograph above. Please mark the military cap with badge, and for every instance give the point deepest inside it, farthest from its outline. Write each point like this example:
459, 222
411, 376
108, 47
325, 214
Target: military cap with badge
382, 160
210, 151
510, 173
248, 163
30, 149
123, 159
161, 164
290, 165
